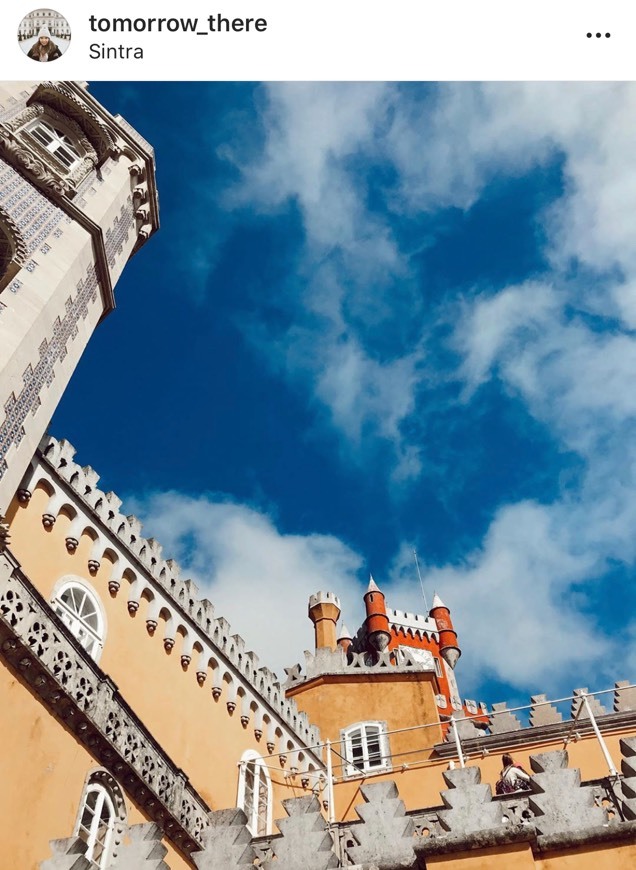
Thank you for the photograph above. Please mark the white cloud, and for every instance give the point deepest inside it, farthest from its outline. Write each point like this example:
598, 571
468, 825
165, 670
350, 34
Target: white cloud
511, 604
545, 342
258, 578
320, 144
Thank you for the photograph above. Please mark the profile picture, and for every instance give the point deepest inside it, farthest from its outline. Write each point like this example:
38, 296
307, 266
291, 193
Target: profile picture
44, 35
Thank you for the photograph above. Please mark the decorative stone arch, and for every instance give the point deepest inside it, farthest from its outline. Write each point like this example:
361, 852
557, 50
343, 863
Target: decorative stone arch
65, 612
168, 617
57, 97
101, 779
14, 251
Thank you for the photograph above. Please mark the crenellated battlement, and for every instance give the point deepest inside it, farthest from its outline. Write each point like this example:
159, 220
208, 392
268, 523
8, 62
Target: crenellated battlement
139, 570
324, 661
324, 598
417, 622
543, 716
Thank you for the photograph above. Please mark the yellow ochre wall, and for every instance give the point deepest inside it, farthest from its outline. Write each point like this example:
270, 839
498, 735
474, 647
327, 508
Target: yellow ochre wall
336, 702
43, 784
519, 857
400, 700
196, 731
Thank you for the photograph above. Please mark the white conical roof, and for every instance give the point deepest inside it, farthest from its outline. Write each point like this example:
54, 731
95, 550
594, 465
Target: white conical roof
437, 601
373, 586
345, 634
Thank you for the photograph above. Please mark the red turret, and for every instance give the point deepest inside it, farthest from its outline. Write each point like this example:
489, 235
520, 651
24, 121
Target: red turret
448, 648
377, 623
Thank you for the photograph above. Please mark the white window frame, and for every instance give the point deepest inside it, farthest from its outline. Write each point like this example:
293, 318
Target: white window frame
89, 835
91, 639
261, 780
58, 137
365, 732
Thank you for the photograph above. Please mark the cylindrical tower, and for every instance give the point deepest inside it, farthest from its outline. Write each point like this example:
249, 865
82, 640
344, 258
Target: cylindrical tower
377, 623
324, 610
448, 646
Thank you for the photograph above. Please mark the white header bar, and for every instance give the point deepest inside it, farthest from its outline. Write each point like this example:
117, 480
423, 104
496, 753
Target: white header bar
332, 40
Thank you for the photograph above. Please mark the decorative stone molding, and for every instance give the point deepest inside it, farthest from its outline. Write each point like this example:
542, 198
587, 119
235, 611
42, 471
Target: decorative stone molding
628, 769
20, 248
4, 534
468, 802
306, 839
546, 723
142, 849
387, 833
58, 97
226, 842
140, 566
624, 698
542, 713
49, 659
558, 801
466, 728
28, 163
68, 854
325, 661
577, 702
501, 720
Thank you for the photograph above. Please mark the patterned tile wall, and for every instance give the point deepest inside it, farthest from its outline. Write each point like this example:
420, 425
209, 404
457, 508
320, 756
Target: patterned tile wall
35, 216
17, 408
117, 235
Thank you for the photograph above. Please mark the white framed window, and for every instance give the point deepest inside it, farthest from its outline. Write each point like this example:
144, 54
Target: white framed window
56, 141
366, 748
255, 793
79, 608
96, 825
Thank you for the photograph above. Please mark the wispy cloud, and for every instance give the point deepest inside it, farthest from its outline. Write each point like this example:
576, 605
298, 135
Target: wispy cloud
258, 577
359, 166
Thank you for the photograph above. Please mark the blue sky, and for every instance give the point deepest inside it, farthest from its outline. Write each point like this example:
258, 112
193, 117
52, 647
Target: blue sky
380, 317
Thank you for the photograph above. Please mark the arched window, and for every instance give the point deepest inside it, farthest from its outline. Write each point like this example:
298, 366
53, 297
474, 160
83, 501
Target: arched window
79, 608
255, 793
97, 825
101, 819
56, 141
366, 748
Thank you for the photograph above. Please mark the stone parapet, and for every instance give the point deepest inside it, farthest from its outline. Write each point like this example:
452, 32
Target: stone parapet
48, 658
140, 571
323, 662
559, 814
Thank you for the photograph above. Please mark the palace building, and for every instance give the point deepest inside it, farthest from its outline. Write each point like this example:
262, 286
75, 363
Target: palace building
139, 730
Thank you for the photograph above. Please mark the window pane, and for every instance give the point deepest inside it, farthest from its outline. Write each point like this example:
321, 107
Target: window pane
64, 156
78, 609
42, 135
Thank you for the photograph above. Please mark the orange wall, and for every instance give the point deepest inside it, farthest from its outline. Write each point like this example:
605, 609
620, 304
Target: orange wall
617, 857
519, 857
196, 731
400, 700
43, 784
516, 856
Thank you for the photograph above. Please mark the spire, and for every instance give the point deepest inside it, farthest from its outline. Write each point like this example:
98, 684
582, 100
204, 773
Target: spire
373, 586
344, 633
344, 638
437, 601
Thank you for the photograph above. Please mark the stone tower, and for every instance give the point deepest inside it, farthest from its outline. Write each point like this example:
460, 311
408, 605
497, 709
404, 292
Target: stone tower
77, 199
